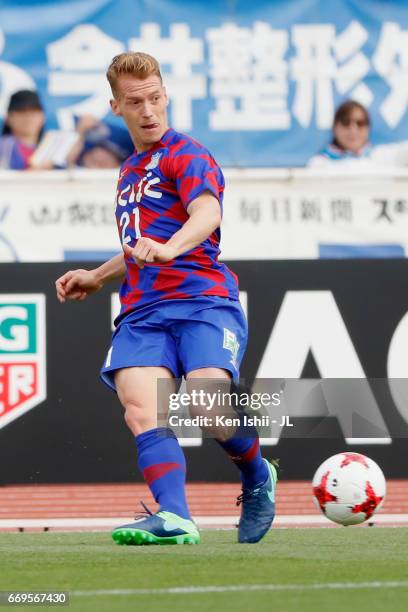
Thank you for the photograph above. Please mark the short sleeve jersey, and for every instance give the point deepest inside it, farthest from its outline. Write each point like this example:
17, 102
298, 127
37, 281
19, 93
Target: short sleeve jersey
154, 190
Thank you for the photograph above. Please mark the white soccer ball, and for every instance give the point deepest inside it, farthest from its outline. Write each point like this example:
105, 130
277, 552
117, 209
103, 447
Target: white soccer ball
348, 488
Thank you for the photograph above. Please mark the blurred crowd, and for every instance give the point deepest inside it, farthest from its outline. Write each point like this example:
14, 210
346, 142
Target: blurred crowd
25, 144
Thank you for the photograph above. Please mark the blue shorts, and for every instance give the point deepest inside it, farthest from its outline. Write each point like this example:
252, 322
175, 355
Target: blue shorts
181, 335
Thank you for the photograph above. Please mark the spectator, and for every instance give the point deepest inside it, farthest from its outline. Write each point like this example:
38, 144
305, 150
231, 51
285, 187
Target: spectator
22, 130
350, 143
101, 145
351, 126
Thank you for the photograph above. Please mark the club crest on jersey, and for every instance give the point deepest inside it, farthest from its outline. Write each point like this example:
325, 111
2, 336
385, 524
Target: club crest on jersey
154, 162
22, 354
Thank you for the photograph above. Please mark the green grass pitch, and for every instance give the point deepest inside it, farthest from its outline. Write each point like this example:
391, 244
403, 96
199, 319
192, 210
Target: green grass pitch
284, 566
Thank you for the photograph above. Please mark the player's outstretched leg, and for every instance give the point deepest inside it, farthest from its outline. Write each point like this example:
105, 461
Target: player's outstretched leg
162, 463
160, 459
259, 479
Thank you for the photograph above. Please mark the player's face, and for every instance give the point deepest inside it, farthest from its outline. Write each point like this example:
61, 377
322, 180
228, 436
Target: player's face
143, 106
352, 132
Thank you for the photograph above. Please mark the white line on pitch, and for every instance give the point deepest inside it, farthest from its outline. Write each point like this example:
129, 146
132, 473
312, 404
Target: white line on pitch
202, 521
228, 588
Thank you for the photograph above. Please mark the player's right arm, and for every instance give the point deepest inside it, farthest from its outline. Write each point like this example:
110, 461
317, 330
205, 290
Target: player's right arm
78, 284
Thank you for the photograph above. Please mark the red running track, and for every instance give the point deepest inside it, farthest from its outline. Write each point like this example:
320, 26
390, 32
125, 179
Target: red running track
122, 500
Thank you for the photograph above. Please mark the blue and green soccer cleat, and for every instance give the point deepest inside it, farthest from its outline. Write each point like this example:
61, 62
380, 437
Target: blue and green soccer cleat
258, 508
160, 528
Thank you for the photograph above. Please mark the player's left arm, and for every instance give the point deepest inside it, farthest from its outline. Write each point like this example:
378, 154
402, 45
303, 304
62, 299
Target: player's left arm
204, 217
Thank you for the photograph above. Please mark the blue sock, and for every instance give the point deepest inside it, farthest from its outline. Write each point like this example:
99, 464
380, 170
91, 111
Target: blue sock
243, 449
162, 462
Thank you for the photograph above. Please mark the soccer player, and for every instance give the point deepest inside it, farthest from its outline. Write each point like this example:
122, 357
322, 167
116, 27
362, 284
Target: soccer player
180, 314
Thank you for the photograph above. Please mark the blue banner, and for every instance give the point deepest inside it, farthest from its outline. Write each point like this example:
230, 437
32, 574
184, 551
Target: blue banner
255, 82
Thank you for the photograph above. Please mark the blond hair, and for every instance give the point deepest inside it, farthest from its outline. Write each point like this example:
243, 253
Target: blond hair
139, 65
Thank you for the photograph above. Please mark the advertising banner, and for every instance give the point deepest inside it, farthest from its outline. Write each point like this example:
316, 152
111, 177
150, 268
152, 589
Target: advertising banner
267, 214
22, 354
327, 342
255, 82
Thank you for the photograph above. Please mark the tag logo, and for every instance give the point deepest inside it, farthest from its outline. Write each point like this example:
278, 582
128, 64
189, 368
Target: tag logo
22, 354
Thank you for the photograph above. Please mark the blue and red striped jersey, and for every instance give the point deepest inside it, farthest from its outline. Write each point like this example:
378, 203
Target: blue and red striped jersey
154, 190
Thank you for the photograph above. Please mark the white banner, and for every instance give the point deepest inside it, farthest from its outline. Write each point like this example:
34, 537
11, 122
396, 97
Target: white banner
300, 214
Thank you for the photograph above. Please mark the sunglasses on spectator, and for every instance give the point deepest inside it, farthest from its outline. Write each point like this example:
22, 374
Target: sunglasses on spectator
360, 123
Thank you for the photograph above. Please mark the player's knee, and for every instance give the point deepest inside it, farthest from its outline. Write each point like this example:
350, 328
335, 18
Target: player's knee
138, 418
